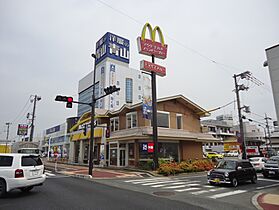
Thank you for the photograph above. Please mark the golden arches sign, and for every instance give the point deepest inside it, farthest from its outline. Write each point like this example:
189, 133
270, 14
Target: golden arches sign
150, 46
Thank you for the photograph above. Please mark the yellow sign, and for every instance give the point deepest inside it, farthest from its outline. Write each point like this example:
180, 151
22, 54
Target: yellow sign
98, 133
152, 33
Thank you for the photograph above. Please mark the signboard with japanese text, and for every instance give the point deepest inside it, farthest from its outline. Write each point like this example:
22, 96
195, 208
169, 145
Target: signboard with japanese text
22, 129
152, 67
150, 147
53, 129
113, 46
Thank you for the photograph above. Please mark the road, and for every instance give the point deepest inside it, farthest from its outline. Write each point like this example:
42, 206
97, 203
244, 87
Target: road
62, 192
196, 191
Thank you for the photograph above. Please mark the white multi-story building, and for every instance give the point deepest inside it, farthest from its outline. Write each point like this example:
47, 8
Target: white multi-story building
272, 55
112, 68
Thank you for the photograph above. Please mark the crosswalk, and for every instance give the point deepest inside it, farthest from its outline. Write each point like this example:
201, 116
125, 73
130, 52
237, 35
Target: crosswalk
184, 185
49, 174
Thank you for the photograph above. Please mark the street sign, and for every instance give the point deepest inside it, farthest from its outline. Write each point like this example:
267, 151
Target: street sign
150, 148
152, 67
22, 129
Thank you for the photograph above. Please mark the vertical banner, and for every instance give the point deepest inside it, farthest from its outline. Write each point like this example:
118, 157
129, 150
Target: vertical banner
102, 86
147, 98
112, 81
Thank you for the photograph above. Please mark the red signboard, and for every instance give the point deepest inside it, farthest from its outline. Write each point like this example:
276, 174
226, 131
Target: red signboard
152, 67
149, 47
150, 147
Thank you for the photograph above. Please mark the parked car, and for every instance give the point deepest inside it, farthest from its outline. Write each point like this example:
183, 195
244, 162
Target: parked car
211, 155
233, 154
232, 172
258, 162
271, 167
20, 171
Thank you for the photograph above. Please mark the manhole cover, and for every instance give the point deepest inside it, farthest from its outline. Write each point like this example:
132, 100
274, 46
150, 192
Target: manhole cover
163, 193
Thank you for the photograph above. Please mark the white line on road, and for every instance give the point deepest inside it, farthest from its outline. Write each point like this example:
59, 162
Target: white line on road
162, 185
221, 195
162, 182
150, 179
268, 180
199, 192
267, 186
188, 189
208, 186
180, 186
49, 174
216, 189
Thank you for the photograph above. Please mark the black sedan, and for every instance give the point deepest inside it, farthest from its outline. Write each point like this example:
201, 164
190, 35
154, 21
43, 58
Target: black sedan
232, 172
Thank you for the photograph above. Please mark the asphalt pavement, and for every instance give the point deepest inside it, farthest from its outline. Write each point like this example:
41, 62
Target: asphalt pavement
64, 192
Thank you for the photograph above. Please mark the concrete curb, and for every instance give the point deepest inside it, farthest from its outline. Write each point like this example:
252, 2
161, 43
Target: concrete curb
255, 201
82, 176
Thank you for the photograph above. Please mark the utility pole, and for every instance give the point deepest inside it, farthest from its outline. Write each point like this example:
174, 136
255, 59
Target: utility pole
7, 137
91, 152
242, 139
268, 131
36, 98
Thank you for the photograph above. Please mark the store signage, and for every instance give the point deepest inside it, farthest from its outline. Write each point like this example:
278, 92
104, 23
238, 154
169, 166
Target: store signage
252, 150
150, 147
151, 46
144, 147
152, 67
113, 46
22, 129
53, 129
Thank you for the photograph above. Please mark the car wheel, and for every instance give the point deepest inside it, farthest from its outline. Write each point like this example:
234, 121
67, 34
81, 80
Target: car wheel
254, 179
211, 183
2, 188
234, 182
26, 189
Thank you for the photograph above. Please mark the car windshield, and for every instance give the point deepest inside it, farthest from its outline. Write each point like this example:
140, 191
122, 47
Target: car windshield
226, 164
254, 159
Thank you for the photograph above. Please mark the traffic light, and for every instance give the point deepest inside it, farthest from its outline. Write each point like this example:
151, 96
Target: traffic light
111, 89
67, 99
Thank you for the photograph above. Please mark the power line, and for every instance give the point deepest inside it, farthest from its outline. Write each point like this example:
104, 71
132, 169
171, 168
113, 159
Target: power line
21, 110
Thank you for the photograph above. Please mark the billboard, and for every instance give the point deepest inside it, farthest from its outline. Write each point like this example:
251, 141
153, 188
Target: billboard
22, 129
112, 81
113, 46
147, 98
53, 129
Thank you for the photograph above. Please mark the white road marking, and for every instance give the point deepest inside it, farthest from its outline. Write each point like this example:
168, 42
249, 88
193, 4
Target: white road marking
188, 189
49, 174
268, 180
267, 186
162, 182
162, 185
150, 179
216, 189
199, 192
208, 186
180, 186
221, 195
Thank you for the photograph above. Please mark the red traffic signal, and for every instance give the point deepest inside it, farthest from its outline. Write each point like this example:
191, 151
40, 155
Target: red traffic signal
67, 99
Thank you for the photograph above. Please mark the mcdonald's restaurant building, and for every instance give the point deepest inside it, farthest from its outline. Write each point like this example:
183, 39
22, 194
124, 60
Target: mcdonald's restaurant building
130, 143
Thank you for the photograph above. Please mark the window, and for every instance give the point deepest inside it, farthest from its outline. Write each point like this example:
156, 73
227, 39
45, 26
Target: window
139, 87
131, 150
117, 103
117, 83
179, 121
131, 120
117, 93
6, 161
129, 90
31, 161
163, 119
139, 97
114, 124
139, 76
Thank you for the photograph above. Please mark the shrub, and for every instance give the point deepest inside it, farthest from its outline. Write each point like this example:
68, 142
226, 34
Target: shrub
169, 168
146, 165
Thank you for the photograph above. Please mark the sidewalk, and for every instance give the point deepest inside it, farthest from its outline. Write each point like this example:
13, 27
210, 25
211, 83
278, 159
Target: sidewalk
98, 173
268, 201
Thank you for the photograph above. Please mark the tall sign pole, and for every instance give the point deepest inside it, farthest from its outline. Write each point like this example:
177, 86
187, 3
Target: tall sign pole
154, 49
7, 137
91, 153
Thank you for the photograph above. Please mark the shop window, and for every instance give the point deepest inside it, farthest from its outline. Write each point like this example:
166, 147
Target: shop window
163, 119
131, 120
114, 124
179, 121
131, 150
168, 150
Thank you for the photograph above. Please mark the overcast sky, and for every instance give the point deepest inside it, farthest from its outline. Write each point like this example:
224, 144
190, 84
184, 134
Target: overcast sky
45, 48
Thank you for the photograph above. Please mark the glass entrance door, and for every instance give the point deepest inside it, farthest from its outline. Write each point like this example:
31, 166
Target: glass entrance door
122, 157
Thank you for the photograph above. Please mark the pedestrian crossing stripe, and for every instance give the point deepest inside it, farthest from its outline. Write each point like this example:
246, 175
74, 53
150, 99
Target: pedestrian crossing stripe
221, 195
146, 180
199, 192
188, 189
165, 184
